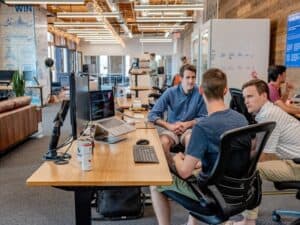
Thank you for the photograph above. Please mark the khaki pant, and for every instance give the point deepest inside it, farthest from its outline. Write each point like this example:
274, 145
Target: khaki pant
275, 170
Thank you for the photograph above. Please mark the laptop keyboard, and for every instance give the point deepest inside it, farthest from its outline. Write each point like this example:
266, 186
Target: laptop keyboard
123, 129
144, 154
116, 127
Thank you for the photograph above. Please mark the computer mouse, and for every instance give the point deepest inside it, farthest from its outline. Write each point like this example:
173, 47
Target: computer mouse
142, 142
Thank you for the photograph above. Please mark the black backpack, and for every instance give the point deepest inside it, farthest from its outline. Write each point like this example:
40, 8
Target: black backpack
121, 203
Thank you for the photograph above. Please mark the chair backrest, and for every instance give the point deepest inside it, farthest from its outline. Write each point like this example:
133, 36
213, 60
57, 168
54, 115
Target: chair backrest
234, 182
176, 80
237, 103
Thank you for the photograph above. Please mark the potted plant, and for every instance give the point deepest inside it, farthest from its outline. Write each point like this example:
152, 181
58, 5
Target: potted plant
18, 83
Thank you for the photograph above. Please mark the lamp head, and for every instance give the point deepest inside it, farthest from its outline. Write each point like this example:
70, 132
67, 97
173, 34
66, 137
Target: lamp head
49, 62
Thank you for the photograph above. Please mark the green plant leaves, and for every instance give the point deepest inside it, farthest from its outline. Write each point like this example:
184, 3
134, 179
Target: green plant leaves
18, 83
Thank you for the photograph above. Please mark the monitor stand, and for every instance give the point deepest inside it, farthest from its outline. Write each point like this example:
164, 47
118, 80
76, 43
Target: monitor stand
109, 139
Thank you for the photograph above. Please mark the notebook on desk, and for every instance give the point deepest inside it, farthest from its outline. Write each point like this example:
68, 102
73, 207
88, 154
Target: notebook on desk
102, 109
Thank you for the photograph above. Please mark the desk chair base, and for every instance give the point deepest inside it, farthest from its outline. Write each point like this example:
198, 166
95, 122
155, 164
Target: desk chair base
276, 214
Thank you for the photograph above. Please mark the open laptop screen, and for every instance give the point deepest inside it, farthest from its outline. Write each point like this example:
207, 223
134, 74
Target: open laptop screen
102, 104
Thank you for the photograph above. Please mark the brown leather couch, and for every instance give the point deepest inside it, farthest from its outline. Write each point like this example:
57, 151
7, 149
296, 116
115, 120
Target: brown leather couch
18, 120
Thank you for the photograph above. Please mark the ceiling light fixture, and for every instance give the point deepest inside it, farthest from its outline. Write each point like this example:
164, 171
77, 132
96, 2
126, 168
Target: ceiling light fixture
89, 31
176, 7
164, 19
163, 28
54, 2
78, 24
155, 40
107, 23
159, 13
98, 37
104, 42
94, 35
87, 15
157, 29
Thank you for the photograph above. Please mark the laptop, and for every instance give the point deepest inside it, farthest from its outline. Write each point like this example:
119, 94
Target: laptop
102, 112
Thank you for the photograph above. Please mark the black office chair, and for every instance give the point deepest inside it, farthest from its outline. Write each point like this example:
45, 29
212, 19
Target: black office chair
276, 215
156, 95
234, 184
237, 103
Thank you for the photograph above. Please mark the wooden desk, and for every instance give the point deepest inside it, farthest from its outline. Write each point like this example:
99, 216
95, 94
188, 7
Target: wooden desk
113, 165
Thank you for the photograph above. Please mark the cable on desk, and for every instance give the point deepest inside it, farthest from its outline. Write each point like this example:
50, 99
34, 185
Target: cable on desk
64, 157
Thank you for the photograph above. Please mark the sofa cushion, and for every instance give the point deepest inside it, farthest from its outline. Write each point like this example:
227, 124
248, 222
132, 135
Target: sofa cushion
7, 105
22, 101
14, 103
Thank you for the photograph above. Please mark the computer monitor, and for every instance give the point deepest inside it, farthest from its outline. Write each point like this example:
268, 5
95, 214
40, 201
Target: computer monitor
161, 70
79, 97
102, 104
6, 75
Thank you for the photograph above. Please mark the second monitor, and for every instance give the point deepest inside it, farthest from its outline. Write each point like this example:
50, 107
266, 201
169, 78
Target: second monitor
101, 104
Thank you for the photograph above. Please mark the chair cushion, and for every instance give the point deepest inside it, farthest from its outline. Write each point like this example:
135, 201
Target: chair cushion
287, 185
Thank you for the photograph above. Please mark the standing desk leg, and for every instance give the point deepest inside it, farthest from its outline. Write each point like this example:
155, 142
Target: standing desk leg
83, 207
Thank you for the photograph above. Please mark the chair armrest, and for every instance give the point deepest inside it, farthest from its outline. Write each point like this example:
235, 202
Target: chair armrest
205, 200
296, 160
154, 95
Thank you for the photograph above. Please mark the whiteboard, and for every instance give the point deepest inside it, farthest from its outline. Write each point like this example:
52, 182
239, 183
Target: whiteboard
240, 47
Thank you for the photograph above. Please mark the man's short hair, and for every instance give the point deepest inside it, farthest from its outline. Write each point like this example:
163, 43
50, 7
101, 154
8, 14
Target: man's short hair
214, 82
187, 67
261, 86
152, 54
275, 71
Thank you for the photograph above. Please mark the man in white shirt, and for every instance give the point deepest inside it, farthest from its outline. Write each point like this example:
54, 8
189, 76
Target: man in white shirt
283, 145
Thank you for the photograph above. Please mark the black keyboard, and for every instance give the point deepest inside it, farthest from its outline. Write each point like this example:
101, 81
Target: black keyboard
144, 154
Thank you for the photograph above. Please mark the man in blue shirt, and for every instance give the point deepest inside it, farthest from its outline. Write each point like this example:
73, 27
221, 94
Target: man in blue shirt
185, 106
203, 146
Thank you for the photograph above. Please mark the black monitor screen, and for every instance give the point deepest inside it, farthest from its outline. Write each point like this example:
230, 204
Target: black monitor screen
6, 74
82, 99
102, 104
160, 70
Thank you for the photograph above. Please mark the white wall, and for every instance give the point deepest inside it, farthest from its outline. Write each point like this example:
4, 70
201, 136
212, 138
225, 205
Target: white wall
23, 45
42, 50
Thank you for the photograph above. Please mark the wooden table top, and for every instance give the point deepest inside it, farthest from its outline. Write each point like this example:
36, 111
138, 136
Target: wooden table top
113, 165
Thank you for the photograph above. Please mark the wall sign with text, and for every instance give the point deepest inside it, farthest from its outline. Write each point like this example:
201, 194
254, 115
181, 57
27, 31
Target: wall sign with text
292, 54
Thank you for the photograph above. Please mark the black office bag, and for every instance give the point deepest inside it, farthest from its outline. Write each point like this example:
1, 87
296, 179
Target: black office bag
121, 203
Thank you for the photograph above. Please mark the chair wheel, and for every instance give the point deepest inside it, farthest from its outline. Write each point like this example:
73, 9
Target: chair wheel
276, 217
